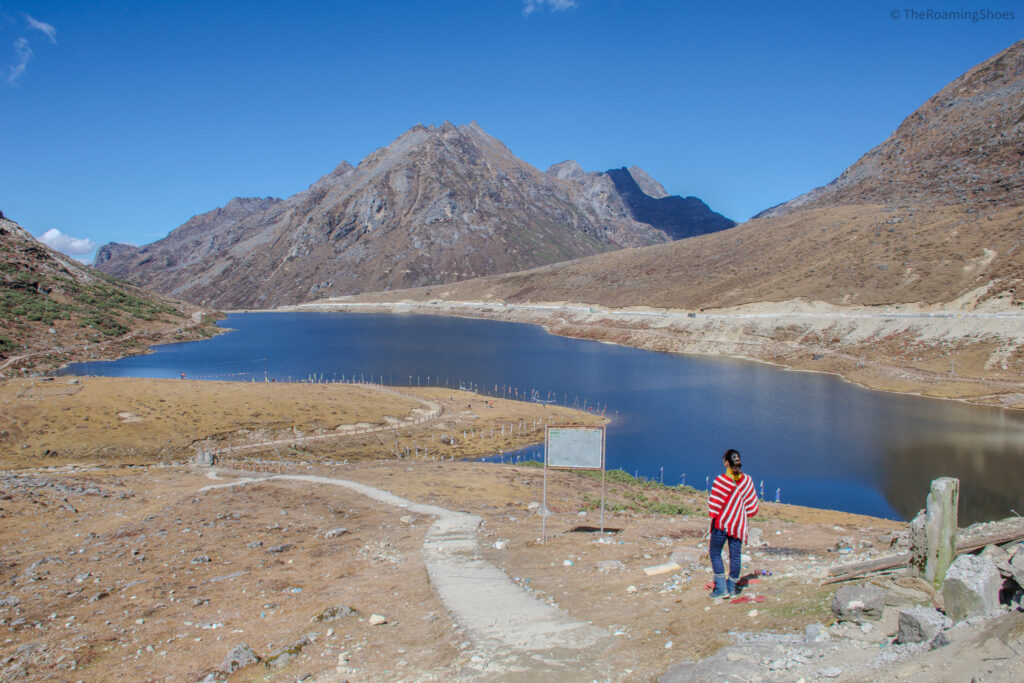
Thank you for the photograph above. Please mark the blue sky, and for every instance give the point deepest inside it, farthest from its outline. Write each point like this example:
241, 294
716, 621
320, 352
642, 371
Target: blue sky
120, 120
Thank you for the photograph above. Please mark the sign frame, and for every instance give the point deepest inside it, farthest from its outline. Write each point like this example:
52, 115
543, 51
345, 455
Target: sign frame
547, 465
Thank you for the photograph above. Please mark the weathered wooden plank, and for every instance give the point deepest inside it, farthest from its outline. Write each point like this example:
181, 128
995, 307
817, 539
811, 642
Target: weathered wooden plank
846, 572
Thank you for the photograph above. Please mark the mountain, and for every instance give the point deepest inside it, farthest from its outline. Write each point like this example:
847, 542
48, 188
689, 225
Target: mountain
678, 217
932, 214
964, 146
623, 194
650, 186
52, 305
116, 258
437, 205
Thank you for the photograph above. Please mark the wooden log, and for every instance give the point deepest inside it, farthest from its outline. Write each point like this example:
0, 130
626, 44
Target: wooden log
851, 571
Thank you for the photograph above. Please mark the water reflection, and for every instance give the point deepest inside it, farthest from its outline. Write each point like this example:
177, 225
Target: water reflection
990, 467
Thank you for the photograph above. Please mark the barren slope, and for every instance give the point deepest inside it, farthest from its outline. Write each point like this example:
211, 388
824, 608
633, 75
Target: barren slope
51, 305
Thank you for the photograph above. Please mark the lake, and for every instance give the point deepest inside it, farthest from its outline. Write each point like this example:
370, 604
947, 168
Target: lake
818, 440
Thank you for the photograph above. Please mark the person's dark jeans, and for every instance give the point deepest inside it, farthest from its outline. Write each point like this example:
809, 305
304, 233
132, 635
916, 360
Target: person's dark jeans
718, 539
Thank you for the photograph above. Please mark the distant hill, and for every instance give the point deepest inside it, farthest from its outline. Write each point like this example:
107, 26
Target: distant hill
932, 213
437, 205
49, 301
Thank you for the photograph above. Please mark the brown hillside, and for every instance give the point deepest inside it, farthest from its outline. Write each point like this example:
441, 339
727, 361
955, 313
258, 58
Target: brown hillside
53, 308
847, 254
965, 145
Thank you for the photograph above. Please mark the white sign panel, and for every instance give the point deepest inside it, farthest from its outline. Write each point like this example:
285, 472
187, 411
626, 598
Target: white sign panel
576, 447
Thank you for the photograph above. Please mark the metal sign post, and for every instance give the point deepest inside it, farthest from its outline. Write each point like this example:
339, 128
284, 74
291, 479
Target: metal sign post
572, 448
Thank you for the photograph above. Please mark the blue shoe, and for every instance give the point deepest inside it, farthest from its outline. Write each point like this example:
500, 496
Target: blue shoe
732, 587
720, 589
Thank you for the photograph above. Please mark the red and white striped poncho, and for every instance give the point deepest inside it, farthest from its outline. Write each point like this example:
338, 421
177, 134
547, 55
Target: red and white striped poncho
730, 503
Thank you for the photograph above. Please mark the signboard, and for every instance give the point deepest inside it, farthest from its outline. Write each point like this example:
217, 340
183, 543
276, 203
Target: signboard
580, 448
575, 448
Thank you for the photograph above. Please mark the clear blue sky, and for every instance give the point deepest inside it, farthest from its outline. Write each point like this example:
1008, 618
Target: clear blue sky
120, 120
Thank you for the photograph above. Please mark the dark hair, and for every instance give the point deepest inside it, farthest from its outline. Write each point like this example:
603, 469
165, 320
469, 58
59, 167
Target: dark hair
732, 457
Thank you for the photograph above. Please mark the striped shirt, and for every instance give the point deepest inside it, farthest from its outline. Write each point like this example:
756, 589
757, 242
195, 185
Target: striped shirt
730, 503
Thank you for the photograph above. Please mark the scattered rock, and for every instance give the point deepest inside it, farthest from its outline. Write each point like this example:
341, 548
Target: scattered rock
971, 587
200, 559
812, 631
283, 548
500, 545
279, 658
239, 657
858, 602
99, 596
406, 519
610, 565
907, 596
254, 544
334, 533
631, 589
377, 620
921, 624
685, 556
1016, 565
831, 672
664, 568
1000, 558
332, 613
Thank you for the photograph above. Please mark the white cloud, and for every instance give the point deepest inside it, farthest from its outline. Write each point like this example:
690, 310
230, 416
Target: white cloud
24, 53
531, 6
75, 246
49, 30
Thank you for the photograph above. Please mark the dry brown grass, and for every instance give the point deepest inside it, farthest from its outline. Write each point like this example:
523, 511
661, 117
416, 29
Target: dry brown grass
856, 254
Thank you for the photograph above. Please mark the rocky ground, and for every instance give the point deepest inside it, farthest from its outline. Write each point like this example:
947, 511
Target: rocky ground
139, 568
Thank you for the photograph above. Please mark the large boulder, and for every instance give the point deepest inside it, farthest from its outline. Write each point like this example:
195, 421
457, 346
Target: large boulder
858, 602
971, 587
1000, 558
921, 624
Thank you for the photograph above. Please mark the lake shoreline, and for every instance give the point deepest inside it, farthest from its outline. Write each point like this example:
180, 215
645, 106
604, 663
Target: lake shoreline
861, 366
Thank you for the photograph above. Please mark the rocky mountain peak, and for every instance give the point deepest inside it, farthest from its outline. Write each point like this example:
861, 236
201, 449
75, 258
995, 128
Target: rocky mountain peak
650, 186
566, 170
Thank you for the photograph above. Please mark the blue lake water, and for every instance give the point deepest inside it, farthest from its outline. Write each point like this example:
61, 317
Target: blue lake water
822, 441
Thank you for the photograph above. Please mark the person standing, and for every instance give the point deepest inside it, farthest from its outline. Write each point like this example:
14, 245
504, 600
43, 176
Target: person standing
732, 500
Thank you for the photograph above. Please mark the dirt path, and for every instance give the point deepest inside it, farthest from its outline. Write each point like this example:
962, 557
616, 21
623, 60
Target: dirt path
512, 635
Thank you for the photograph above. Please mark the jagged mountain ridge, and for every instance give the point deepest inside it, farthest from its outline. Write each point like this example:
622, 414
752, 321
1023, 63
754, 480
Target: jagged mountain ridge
115, 258
678, 217
437, 205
